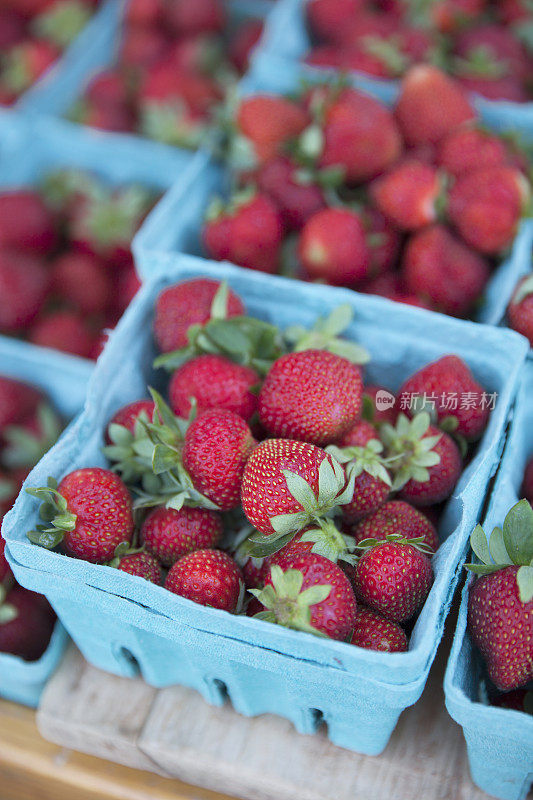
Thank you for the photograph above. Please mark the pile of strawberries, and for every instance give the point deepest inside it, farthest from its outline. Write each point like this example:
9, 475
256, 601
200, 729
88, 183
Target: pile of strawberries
273, 468
486, 45
177, 62
413, 203
33, 33
66, 270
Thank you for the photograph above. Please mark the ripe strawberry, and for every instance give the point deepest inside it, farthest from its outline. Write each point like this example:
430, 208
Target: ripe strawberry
26, 62
200, 53
11, 29
520, 308
188, 303
23, 288
25, 222
300, 397
527, 484
393, 578
430, 105
67, 331
448, 388
242, 43
217, 446
396, 517
90, 512
128, 415
26, 624
383, 241
514, 10
268, 123
500, 602
143, 565
186, 19
127, 286
208, 577
372, 482
374, 632
119, 119
515, 700
144, 13
215, 382
449, 16
408, 194
81, 280
18, 402
493, 49
171, 534
108, 89
430, 463
359, 435
296, 199
248, 232
332, 247
486, 206
468, 148
492, 88
439, 267
142, 48
309, 593
324, 540
330, 19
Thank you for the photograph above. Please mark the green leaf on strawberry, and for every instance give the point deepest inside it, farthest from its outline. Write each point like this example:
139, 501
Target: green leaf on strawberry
409, 450
362, 459
24, 448
325, 335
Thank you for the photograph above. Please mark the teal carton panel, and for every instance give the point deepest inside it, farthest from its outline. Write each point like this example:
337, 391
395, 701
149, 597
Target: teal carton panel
23, 681
499, 740
122, 623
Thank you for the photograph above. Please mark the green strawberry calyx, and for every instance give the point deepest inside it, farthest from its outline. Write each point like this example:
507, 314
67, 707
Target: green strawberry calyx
285, 602
507, 546
112, 218
525, 289
121, 550
54, 511
418, 542
62, 22
24, 448
409, 450
480, 63
8, 612
363, 459
389, 53
171, 122
325, 335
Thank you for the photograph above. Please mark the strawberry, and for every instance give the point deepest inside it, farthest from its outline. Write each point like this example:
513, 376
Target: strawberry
407, 195
108, 89
119, 119
128, 415
448, 389
449, 16
439, 267
300, 397
268, 123
393, 578
208, 577
143, 565
197, 54
216, 448
296, 198
24, 284
493, 50
382, 240
11, 29
514, 11
520, 308
430, 105
430, 462
186, 19
332, 247
215, 382
90, 512
25, 222
527, 484
248, 232
144, 13
67, 331
372, 483
309, 593
127, 286
26, 624
500, 602
486, 206
188, 303
324, 540
81, 280
171, 534
142, 48
517, 700
378, 405
374, 632
330, 19
396, 517
18, 402
468, 148
26, 62
359, 435
242, 43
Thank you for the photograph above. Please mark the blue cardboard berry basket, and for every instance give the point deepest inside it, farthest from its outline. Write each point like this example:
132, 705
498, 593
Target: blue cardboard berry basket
499, 740
63, 379
123, 624
287, 41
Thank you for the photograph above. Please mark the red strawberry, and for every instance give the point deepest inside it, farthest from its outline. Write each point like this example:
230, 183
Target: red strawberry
81, 280
127, 286
379, 405
494, 47
296, 200
430, 105
332, 247
527, 485
359, 435
18, 402
66, 331
330, 19
26, 62
310, 593
439, 267
374, 632
393, 578
515, 700
383, 241
520, 308
215, 382
11, 29
449, 16
26, 624
300, 397
108, 118
188, 303
90, 512
242, 43
327, 541
486, 206
450, 390
208, 577
141, 48
108, 88
25, 222
23, 289
199, 53
249, 233
269, 122
396, 517
144, 12
514, 10
407, 195
468, 148
372, 484
143, 565
128, 415
185, 18
506, 88
171, 534
217, 446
